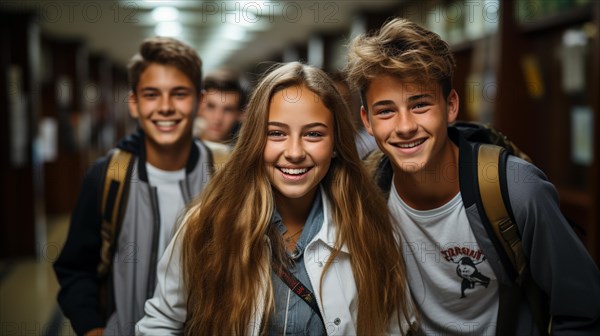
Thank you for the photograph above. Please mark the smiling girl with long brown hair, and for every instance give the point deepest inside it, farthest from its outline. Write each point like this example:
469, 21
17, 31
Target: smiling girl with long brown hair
293, 207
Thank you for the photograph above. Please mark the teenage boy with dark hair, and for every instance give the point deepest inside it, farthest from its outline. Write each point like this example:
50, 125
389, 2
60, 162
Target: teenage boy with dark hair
404, 75
221, 111
365, 143
168, 169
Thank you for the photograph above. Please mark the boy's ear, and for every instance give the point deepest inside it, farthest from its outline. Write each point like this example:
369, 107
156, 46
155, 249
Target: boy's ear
132, 103
364, 116
452, 104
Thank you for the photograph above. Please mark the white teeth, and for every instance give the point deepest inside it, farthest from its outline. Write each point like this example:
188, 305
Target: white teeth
166, 123
294, 171
412, 144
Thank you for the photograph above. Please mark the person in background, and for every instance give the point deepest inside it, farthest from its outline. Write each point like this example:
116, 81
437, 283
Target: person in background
302, 213
404, 75
365, 143
169, 168
221, 111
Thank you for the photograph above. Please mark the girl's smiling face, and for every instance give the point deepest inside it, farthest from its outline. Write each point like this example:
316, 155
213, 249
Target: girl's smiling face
299, 144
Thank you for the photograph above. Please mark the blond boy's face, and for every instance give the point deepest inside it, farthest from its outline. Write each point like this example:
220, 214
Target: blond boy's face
409, 122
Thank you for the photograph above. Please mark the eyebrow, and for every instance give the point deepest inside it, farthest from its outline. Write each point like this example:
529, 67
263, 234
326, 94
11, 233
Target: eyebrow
311, 125
420, 96
410, 99
383, 103
177, 88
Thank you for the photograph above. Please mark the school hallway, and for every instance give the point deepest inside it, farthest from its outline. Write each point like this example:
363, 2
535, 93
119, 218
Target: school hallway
529, 68
28, 289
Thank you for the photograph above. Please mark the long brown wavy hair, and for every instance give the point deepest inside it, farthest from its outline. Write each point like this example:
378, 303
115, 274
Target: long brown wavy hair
225, 254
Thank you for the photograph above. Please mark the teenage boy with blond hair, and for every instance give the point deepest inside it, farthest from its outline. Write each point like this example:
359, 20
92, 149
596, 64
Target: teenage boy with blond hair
404, 75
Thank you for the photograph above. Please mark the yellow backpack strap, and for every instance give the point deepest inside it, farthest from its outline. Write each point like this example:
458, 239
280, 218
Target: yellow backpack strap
488, 176
115, 186
491, 197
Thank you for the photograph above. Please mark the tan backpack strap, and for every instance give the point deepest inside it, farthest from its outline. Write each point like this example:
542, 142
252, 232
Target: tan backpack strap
495, 209
488, 161
112, 194
488, 171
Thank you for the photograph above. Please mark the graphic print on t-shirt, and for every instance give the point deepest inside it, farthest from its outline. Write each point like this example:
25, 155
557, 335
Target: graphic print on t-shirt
466, 260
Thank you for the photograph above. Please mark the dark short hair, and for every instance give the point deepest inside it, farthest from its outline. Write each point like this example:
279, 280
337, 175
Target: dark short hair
166, 51
227, 80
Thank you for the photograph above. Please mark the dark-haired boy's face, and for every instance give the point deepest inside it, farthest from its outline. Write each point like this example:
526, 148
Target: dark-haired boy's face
220, 112
409, 122
165, 104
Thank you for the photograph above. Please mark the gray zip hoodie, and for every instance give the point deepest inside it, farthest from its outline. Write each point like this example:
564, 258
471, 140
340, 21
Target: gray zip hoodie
136, 254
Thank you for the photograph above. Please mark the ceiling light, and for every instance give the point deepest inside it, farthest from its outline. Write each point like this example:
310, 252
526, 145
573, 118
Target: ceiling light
168, 29
162, 14
235, 33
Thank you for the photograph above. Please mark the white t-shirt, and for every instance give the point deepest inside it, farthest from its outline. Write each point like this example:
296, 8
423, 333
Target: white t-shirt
450, 279
170, 201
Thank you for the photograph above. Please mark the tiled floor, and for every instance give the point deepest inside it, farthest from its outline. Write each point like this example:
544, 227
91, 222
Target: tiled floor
28, 290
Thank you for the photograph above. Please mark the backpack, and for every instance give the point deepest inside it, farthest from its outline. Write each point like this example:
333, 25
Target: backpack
493, 148
114, 195
115, 190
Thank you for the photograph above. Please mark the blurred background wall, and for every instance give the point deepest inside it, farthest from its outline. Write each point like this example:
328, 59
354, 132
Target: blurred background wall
529, 67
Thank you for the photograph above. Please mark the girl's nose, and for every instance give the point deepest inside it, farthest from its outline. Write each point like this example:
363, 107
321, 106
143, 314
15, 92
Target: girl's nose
294, 151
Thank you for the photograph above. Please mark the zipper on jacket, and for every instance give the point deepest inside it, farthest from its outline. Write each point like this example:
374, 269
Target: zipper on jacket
184, 185
154, 247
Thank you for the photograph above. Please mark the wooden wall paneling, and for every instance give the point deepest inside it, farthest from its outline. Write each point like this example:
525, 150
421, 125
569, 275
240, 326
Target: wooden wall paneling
100, 94
541, 125
463, 58
594, 220
64, 92
512, 101
21, 223
119, 117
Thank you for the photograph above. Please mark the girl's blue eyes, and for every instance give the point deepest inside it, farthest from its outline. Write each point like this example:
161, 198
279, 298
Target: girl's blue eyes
312, 134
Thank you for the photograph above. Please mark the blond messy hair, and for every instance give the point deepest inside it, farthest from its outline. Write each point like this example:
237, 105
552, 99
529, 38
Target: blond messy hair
403, 49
